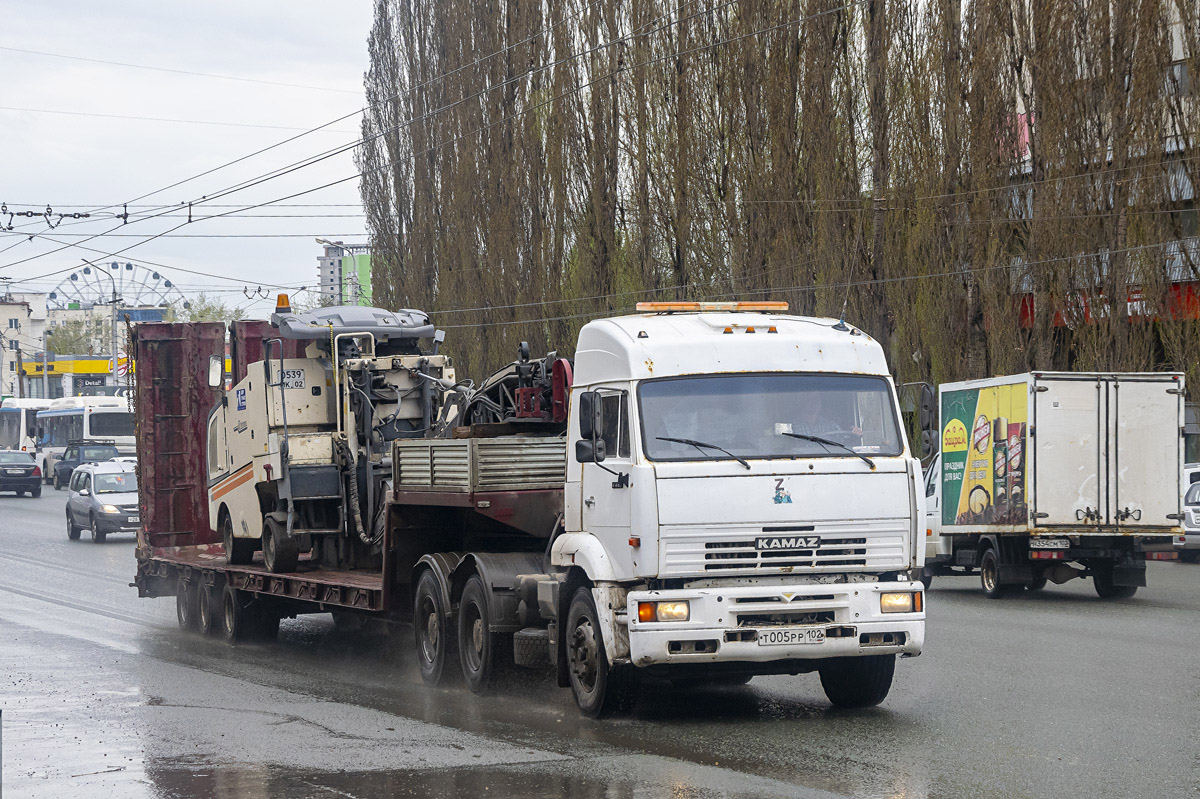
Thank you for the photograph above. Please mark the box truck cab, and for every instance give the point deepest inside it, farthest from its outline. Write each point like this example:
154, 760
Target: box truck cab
741, 499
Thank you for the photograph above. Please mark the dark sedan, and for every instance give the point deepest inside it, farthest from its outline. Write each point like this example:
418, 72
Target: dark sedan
19, 472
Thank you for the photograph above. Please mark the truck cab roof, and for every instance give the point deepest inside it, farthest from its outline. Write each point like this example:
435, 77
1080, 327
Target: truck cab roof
650, 345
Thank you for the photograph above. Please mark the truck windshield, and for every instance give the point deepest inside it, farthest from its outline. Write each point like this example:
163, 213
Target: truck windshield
751, 415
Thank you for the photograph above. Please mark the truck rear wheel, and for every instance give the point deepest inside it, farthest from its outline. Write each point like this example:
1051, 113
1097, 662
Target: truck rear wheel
280, 553
858, 681
432, 627
989, 576
1102, 580
238, 551
599, 688
479, 649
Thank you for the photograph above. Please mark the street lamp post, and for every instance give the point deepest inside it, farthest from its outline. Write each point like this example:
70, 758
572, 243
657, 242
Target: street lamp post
45, 363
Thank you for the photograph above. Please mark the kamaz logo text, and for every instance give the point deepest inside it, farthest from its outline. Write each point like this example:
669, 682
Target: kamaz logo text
788, 542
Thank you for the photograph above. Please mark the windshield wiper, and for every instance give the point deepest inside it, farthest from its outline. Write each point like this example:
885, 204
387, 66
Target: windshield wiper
702, 445
830, 443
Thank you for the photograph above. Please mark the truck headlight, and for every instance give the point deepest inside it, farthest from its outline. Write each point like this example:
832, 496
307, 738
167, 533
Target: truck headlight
663, 611
907, 602
110, 509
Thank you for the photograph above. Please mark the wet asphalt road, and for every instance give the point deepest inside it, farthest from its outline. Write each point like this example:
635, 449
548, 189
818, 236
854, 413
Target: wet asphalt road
1056, 694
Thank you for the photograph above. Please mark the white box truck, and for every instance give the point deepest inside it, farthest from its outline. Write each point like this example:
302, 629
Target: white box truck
1051, 476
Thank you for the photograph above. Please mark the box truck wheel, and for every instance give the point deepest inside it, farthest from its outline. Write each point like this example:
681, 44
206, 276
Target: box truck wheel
599, 688
280, 553
185, 604
431, 624
1102, 579
989, 576
858, 681
238, 551
480, 651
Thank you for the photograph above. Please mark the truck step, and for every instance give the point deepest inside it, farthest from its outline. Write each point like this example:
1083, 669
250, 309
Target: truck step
531, 647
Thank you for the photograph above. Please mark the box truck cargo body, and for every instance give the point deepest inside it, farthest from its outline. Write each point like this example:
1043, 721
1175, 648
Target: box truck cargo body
1050, 468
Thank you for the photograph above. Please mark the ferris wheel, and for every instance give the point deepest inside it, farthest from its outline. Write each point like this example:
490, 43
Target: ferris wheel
135, 286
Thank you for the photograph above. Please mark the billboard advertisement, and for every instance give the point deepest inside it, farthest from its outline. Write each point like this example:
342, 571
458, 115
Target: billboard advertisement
983, 455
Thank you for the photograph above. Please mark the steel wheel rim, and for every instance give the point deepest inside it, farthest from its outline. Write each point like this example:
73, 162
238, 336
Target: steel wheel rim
988, 574
430, 630
227, 613
584, 654
475, 650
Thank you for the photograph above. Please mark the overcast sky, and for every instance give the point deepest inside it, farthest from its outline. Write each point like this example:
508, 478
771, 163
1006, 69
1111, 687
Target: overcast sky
77, 163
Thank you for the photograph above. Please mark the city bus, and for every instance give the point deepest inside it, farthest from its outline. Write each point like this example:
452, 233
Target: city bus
18, 423
76, 418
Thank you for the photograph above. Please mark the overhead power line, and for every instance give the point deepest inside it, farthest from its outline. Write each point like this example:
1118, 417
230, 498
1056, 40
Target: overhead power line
177, 71
160, 119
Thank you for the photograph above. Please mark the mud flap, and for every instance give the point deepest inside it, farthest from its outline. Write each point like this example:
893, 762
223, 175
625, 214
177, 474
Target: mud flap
610, 600
1130, 573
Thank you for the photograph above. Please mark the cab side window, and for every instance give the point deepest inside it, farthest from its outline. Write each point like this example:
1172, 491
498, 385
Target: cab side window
931, 479
615, 412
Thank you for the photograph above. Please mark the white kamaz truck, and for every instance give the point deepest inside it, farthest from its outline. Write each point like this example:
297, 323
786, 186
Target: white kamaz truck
708, 492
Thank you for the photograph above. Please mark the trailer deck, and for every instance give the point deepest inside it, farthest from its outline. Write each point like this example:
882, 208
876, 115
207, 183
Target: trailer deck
357, 590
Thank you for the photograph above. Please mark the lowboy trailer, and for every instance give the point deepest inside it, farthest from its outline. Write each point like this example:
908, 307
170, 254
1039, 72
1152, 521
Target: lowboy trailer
706, 492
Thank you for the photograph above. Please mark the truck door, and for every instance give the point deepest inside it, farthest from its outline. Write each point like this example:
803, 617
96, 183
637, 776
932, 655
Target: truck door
1068, 452
1146, 449
606, 504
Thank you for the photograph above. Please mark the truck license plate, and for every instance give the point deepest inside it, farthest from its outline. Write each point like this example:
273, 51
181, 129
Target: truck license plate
787, 637
1049, 543
293, 378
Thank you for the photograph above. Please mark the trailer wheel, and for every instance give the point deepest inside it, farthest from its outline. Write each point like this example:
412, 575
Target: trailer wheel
858, 681
431, 624
207, 609
989, 576
238, 551
280, 553
267, 627
599, 688
185, 604
236, 623
1102, 580
479, 650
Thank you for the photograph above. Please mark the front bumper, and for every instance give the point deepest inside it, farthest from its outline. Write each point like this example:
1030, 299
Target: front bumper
118, 522
726, 624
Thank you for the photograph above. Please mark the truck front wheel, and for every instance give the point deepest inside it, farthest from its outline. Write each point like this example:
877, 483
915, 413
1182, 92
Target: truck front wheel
858, 681
281, 554
432, 627
599, 688
1102, 580
479, 648
238, 551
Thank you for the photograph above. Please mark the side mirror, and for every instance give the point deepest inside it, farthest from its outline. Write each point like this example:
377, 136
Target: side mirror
591, 423
216, 371
590, 451
83, 492
927, 419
